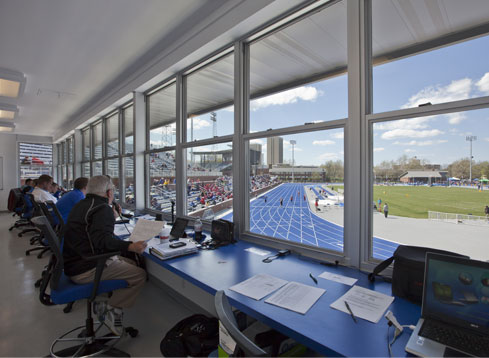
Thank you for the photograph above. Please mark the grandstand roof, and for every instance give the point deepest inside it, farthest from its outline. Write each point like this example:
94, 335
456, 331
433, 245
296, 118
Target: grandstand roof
423, 174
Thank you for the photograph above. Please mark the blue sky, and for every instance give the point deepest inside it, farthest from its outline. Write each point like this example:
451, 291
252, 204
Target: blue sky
453, 73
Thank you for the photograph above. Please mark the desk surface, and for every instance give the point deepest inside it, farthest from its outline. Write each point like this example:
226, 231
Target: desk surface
323, 329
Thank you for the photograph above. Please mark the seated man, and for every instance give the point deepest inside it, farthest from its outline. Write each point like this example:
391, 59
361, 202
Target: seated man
89, 231
27, 187
68, 201
41, 191
55, 190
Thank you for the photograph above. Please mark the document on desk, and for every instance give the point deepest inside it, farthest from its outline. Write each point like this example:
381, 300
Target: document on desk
296, 297
145, 230
338, 278
258, 286
364, 303
121, 229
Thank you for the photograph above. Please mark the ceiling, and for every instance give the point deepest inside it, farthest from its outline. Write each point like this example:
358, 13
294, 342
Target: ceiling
74, 53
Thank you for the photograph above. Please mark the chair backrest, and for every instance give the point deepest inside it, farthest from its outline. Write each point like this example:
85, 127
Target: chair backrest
44, 225
226, 316
55, 212
37, 209
15, 199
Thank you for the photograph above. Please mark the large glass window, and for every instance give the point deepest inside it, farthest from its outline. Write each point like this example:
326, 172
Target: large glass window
128, 116
97, 140
426, 191
97, 168
413, 62
112, 170
210, 95
86, 170
162, 117
112, 126
86, 144
129, 180
296, 188
210, 181
162, 182
35, 160
298, 74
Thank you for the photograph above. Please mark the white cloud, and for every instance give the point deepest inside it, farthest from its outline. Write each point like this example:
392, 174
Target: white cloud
378, 149
258, 141
328, 156
305, 93
456, 118
455, 91
409, 150
199, 123
339, 135
323, 142
414, 123
486, 139
410, 133
453, 130
421, 143
483, 83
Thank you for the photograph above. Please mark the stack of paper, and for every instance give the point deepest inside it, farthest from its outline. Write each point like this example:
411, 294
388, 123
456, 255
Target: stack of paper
145, 230
164, 251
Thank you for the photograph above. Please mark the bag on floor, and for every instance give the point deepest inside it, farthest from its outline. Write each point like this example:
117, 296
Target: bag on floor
408, 272
194, 336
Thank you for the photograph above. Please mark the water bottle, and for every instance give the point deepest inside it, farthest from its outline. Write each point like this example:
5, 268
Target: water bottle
198, 230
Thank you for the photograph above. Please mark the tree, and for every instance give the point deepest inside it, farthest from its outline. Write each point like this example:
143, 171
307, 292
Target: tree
334, 170
460, 168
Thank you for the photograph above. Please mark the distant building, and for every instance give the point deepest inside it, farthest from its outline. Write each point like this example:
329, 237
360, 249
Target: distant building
424, 176
255, 153
275, 150
301, 173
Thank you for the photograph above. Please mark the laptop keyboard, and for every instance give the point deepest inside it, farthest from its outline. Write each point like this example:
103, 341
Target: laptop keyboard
456, 338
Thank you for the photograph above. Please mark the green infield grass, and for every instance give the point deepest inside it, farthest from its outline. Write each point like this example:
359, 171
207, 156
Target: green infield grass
416, 201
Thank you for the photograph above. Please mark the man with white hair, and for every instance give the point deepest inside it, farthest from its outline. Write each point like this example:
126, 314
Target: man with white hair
89, 231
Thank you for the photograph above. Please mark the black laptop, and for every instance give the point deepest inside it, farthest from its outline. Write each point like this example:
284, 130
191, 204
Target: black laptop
455, 312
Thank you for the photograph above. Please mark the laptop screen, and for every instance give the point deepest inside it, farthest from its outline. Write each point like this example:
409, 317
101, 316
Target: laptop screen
178, 227
456, 291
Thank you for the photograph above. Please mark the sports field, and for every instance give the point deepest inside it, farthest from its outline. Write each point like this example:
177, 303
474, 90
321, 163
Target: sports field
416, 201
293, 220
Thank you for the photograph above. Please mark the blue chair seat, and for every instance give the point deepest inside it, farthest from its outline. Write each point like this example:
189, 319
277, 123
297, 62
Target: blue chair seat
68, 291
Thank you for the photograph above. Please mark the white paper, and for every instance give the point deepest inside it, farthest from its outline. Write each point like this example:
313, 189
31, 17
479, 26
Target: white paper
364, 303
164, 251
146, 217
120, 229
258, 286
146, 229
256, 251
296, 297
338, 278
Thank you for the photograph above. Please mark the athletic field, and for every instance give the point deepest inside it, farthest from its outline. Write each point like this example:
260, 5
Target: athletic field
294, 221
416, 201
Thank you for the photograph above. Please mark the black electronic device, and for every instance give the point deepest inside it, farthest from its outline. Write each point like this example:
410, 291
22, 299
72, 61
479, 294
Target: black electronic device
122, 221
178, 229
178, 244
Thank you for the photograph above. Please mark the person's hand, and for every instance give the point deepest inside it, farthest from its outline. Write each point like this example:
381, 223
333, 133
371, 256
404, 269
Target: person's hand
117, 208
137, 247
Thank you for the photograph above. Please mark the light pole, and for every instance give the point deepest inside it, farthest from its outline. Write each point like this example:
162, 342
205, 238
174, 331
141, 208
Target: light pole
470, 138
293, 142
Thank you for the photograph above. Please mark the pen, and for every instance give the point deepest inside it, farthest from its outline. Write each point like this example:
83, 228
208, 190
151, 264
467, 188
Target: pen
313, 278
351, 312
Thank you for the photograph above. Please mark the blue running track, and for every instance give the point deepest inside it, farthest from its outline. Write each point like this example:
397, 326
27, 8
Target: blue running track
294, 221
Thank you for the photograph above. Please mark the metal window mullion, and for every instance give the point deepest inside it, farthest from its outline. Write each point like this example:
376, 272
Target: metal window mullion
210, 141
303, 128
180, 158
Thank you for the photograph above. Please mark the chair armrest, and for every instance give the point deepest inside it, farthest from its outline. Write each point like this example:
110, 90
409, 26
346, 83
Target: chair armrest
99, 269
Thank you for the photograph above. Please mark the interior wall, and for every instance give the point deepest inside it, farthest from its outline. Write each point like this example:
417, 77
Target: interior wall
10, 170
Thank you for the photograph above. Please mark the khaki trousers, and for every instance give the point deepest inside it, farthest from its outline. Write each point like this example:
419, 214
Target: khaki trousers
118, 268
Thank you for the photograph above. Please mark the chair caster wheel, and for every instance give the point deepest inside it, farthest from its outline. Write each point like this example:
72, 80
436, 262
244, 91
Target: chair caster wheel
133, 332
38, 283
10, 229
27, 253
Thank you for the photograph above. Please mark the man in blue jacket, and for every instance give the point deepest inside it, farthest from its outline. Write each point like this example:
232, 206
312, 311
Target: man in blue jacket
69, 200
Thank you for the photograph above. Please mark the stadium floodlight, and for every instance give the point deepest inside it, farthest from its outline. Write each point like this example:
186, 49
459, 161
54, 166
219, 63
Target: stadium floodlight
293, 142
470, 138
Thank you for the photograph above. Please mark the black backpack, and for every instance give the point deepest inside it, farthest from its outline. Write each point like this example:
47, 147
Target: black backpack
194, 336
408, 273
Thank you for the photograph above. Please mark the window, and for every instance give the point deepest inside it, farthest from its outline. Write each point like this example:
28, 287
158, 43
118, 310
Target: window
129, 181
296, 188
298, 74
210, 95
86, 144
162, 117
414, 62
97, 140
162, 184
97, 168
112, 170
35, 160
86, 170
128, 159
128, 116
210, 181
112, 126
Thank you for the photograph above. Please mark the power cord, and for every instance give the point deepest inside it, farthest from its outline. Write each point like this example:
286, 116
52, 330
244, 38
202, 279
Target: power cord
277, 255
392, 321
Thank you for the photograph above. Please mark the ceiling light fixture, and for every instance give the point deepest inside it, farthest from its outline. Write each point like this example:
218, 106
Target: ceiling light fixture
7, 127
12, 83
8, 111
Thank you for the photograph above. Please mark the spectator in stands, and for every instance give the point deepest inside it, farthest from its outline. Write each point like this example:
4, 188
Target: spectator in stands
90, 231
386, 210
41, 191
68, 201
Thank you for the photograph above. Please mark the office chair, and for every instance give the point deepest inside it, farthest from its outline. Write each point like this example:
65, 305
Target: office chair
16, 205
31, 211
227, 319
63, 290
